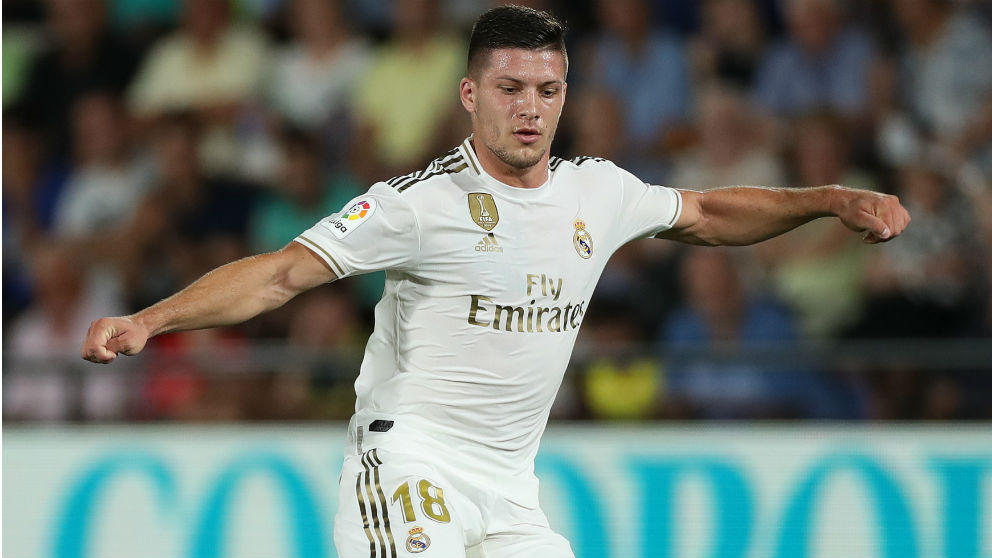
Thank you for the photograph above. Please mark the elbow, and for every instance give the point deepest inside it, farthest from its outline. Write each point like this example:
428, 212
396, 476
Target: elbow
697, 240
277, 295
702, 232
280, 287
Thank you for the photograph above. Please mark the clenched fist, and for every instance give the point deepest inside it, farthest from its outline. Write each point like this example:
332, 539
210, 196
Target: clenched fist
108, 337
879, 216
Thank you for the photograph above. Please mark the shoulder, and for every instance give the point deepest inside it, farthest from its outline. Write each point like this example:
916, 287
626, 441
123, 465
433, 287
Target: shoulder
596, 173
440, 170
584, 163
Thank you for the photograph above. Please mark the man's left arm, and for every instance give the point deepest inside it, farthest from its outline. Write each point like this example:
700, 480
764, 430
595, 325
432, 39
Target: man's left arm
744, 215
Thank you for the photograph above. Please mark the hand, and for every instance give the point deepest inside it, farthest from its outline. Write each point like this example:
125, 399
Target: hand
879, 216
108, 337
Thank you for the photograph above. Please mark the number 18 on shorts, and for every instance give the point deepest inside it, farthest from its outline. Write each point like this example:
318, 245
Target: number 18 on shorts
394, 509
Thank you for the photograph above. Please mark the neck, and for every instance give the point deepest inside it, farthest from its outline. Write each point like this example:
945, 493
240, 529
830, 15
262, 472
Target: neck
530, 177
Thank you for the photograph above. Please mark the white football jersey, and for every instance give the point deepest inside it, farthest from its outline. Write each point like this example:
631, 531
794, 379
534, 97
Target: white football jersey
486, 287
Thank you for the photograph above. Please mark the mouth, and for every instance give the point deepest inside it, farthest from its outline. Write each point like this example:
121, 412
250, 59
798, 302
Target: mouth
527, 135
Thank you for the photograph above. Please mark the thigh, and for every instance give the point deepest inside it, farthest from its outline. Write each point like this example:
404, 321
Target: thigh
522, 533
523, 541
391, 505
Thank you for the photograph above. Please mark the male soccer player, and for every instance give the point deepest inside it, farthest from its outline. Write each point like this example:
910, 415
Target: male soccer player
491, 254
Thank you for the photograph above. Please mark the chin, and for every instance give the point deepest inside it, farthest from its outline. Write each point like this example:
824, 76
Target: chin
525, 160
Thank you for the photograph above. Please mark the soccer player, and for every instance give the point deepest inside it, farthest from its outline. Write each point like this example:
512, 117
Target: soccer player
491, 254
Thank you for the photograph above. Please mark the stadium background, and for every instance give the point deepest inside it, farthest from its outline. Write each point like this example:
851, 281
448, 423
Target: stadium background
807, 397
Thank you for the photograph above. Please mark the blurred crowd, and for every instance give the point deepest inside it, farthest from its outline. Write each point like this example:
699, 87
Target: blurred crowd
148, 141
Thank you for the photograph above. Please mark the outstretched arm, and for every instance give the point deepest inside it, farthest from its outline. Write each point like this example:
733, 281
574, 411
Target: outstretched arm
743, 215
227, 295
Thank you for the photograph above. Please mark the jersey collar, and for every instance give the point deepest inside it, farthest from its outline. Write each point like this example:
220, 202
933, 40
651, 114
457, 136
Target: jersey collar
503, 188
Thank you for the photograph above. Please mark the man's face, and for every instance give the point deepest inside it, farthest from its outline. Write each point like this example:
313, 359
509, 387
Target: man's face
515, 102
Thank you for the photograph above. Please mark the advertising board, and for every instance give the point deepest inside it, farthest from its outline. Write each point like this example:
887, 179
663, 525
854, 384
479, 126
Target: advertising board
714, 491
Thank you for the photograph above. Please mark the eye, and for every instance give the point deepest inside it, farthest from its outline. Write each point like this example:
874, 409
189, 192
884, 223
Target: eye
508, 89
550, 92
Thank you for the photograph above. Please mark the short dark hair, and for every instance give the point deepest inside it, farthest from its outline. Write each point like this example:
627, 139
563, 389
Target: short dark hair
514, 27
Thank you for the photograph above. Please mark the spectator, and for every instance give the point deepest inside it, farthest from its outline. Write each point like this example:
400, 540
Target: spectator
108, 181
931, 283
190, 222
720, 313
83, 56
595, 121
302, 197
406, 103
213, 68
731, 150
30, 191
617, 389
314, 76
730, 44
618, 384
945, 83
181, 380
44, 381
819, 269
645, 69
823, 64
323, 322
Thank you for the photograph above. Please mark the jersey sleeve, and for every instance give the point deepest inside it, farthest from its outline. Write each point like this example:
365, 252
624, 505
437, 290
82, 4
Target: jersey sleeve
645, 210
373, 232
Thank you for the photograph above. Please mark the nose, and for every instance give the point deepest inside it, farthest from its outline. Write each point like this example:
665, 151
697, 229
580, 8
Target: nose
528, 105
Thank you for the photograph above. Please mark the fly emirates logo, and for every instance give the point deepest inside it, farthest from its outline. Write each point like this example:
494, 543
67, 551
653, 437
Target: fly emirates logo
543, 314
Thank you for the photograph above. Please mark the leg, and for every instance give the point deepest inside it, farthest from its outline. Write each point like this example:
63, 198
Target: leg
524, 541
392, 505
522, 533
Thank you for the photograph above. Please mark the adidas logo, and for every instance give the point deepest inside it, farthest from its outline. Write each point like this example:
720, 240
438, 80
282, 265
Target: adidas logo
489, 244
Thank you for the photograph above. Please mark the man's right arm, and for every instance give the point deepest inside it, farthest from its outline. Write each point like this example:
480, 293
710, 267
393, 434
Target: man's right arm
227, 295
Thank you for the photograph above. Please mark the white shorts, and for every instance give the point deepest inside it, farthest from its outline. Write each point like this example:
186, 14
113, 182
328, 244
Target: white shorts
394, 502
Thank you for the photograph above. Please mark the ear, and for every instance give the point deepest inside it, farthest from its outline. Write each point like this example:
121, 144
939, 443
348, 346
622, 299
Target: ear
466, 92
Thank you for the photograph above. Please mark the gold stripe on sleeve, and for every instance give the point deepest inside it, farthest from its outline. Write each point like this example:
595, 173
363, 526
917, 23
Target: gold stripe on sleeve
335, 267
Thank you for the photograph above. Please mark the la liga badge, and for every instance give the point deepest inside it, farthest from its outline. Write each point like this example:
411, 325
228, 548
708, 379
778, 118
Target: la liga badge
358, 212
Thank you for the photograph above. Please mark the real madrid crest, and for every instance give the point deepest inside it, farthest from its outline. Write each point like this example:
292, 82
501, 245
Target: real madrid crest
582, 240
483, 210
418, 541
